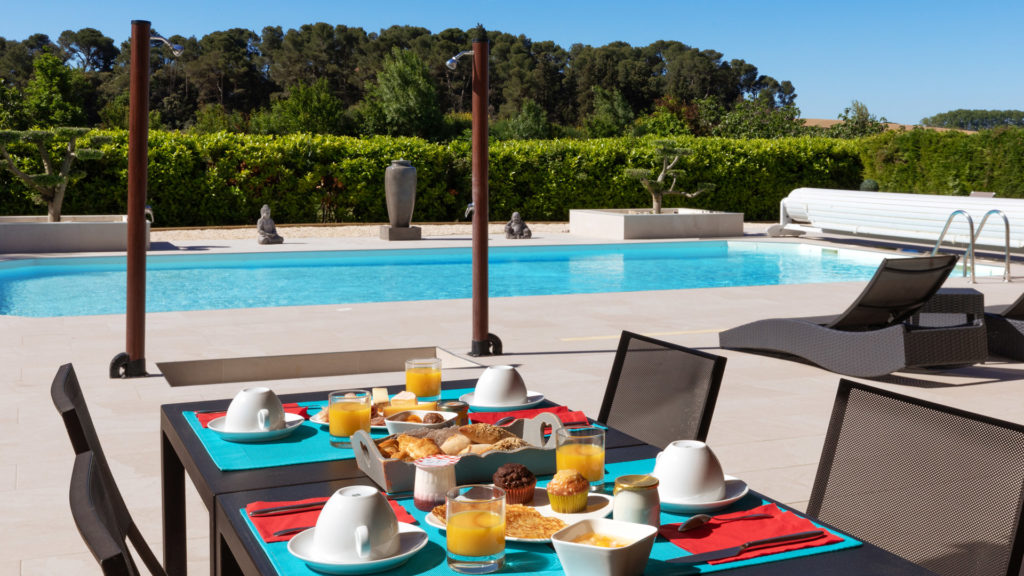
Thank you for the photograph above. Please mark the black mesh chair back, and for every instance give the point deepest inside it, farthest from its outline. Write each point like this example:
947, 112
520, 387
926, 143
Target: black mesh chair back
938, 486
659, 392
104, 497
899, 288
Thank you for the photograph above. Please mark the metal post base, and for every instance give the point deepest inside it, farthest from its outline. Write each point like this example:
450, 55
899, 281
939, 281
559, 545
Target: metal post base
489, 347
122, 366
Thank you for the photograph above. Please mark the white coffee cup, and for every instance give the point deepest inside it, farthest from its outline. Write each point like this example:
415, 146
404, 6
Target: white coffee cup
254, 410
356, 524
689, 472
500, 386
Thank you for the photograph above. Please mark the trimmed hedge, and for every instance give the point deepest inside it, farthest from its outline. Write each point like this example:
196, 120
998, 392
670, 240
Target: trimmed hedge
224, 178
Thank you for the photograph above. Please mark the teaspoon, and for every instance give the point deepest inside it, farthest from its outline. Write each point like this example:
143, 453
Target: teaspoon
698, 520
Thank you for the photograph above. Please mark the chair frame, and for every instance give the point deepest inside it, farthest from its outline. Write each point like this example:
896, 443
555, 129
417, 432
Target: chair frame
834, 434
717, 372
67, 396
904, 340
1006, 331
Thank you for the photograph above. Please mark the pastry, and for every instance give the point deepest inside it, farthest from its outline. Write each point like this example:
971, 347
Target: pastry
417, 447
455, 444
476, 449
517, 481
485, 433
568, 491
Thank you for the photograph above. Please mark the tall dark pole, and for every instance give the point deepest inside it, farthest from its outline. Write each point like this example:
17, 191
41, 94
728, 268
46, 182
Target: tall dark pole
482, 341
138, 166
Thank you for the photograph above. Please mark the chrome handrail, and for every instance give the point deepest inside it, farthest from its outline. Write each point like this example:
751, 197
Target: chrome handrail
969, 255
1006, 223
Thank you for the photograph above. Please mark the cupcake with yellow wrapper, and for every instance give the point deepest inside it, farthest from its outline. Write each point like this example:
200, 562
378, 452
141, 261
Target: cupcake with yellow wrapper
568, 491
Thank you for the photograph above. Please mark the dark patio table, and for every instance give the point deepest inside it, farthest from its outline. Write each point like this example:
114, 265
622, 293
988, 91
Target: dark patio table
240, 552
183, 453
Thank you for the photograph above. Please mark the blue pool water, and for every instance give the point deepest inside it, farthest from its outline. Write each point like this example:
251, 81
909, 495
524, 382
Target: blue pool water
85, 286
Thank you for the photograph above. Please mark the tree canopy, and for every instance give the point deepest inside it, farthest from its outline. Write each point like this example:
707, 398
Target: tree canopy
975, 119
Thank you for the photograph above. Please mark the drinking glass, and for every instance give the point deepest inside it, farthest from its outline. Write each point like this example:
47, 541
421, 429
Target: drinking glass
581, 449
423, 378
348, 411
476, 529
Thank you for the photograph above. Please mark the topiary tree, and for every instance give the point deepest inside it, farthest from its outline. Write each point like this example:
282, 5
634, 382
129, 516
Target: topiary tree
58, 150
659, 185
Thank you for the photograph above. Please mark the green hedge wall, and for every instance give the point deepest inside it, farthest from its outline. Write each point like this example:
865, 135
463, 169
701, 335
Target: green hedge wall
223, 179
954, 163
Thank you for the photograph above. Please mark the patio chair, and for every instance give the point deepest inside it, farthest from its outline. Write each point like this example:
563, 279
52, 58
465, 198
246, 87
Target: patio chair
939, 486
881, 332
659, 392
97, 489
1006, 331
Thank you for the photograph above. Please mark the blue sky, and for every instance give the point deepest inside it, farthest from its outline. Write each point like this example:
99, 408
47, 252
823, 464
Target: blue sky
905, 60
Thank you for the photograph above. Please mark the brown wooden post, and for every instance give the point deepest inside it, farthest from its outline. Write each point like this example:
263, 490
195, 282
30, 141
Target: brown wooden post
481, 339
138, 166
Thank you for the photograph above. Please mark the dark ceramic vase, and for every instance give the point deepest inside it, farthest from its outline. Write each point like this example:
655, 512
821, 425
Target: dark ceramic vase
400, 192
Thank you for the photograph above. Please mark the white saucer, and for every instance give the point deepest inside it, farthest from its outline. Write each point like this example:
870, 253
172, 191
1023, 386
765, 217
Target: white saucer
532, 399
598, 506
734, 490
291, 423
411, 539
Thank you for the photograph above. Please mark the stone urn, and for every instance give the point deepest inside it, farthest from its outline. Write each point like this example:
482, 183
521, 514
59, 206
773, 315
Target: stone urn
400, 192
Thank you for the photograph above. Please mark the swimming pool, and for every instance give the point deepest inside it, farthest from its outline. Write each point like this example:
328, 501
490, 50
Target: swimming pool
45, 287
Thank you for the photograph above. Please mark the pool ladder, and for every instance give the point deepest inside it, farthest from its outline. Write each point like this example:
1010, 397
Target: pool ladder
974, 235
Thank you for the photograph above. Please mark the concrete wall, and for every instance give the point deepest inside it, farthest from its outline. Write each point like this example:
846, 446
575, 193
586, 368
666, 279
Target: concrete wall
672, 223
23, 234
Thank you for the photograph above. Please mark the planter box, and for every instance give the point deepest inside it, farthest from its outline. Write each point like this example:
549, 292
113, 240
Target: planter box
21, 234
635, 224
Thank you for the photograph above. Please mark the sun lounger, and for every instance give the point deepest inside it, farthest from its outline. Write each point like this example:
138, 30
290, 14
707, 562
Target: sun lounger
1006, 331
885, 330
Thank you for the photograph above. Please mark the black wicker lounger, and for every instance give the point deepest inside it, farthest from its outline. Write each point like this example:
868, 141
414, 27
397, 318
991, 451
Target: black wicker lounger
881, 332
1006, 331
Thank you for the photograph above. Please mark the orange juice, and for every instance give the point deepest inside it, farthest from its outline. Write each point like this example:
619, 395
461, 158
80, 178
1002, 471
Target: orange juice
587, 459
423, 382
347, 417
476, 533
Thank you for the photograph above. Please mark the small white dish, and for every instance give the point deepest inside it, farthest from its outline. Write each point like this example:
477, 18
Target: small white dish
579, 559
532, 399
411, 539
291, 423
598, 506
395, 425
734, 490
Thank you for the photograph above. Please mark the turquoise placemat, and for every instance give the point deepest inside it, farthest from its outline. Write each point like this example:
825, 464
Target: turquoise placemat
541, 558
309, 443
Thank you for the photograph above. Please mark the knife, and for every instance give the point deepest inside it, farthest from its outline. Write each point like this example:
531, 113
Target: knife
288, 508
736, 550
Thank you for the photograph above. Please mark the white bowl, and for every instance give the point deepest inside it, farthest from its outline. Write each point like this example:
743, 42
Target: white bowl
396, 425
500, 386
689, 472
587, 560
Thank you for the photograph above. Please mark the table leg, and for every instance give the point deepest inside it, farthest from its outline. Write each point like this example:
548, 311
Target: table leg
173, 493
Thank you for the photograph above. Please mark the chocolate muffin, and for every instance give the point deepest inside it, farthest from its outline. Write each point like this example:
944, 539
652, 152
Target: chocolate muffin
517, 481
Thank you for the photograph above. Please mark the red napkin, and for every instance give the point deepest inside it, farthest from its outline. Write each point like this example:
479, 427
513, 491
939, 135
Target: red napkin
715, 536
293, 407
267, 525
564, 414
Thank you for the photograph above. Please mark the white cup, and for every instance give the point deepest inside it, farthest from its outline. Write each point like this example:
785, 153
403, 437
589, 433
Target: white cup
500, 386
254, 410
689, 472
356, 524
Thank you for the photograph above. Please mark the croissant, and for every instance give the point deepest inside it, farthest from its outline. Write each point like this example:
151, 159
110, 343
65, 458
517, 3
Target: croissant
417, 447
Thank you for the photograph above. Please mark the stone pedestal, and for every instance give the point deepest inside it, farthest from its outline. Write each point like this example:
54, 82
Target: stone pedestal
390, 233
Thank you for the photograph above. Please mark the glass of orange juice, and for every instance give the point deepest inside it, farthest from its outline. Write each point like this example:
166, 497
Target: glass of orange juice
581, 449
423, 378
348, 411
475, 528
